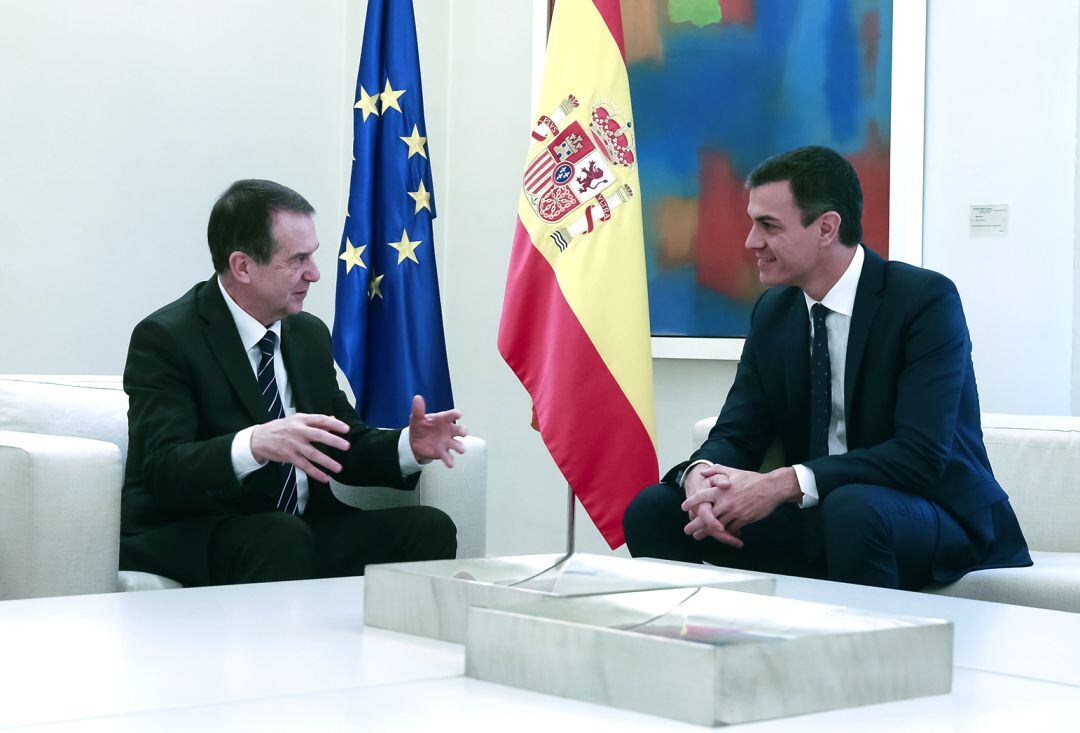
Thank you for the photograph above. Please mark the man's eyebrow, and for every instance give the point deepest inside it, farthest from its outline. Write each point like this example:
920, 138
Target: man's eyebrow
765, 218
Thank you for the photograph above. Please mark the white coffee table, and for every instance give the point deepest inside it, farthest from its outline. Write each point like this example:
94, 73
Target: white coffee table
296, 657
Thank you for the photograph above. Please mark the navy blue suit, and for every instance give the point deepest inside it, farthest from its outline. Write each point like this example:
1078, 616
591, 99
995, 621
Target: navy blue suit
911, 415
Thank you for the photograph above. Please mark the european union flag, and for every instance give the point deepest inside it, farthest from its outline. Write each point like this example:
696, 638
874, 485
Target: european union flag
388, 333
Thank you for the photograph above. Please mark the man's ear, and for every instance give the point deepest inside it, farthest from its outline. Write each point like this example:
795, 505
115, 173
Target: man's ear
829, 227
240, 266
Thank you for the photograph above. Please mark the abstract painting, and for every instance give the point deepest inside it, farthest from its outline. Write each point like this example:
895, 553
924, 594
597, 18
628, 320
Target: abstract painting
717, 87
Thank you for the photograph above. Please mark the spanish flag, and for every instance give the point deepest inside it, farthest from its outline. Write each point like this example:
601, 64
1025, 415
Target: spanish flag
575, 320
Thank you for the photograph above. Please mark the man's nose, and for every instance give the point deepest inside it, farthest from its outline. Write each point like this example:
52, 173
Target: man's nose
753, 239
312, 275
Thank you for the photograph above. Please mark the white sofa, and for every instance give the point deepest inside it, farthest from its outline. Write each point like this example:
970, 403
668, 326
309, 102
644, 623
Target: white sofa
63, 441
1037, 461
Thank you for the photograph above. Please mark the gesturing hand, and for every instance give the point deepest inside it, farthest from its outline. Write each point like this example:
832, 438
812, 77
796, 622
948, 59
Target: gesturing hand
291, 440
434, 436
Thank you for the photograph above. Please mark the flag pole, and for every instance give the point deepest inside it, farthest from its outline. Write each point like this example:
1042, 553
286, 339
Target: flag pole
571, 507
570, 515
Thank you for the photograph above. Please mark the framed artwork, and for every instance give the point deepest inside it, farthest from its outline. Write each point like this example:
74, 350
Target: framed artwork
720, 85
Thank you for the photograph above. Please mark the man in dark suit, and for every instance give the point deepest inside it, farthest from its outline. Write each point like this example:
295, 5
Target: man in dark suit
236, 423
861, 370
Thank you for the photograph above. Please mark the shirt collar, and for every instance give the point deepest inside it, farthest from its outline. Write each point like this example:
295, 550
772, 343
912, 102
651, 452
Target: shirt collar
250, 330
841, 297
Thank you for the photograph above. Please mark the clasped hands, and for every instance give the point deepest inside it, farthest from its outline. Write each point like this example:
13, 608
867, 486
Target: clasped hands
293, 439
722, 500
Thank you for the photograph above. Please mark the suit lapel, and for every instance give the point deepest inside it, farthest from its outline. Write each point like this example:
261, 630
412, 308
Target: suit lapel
797, 364
225, 342
867, 299
293, 351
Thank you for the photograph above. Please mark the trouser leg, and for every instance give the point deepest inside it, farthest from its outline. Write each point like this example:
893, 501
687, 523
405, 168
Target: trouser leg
884, 537
347, 541
261, 548
654, 525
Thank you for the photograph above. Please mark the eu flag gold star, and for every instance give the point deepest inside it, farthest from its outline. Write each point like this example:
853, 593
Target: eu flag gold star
415, 142
366, 104
373, 287
390, 96
422, 198
351, 256
405, 248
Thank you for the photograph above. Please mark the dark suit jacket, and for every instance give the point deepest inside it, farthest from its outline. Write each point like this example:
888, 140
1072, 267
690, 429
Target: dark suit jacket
910, 402
191, 388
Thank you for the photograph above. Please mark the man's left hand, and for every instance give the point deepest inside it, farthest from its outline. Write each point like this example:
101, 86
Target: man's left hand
435, 436
750, 498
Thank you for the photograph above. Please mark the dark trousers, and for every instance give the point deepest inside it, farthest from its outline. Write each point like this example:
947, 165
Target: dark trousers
864, 534
277, 546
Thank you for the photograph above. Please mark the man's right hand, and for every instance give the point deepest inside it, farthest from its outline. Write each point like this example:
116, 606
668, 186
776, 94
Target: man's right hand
703, 522
291, 439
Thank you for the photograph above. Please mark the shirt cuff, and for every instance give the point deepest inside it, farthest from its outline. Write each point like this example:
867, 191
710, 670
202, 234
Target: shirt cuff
681, 481
808, 486
243, 462
406, 459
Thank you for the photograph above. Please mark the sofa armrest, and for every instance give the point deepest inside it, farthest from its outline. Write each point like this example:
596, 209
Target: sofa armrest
60, 524
461, 492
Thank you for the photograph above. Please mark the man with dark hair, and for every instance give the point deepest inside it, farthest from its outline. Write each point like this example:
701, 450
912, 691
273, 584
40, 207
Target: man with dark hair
236, 423
239, 220
861, 370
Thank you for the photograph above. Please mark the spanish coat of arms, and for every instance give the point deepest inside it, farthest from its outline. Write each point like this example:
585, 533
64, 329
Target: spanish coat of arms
578, 168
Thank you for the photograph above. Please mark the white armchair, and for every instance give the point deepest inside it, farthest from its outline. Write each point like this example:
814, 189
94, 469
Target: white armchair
63, 441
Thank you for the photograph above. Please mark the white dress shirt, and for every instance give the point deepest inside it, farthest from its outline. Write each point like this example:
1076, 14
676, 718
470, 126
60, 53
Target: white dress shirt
243, 462
840, 301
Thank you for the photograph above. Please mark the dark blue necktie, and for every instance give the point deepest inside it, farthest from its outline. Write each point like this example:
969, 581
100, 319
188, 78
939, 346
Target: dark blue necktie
820, 384
286, 500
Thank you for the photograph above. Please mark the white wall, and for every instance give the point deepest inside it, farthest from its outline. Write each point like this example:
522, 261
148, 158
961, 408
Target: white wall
1001, 128
122, 121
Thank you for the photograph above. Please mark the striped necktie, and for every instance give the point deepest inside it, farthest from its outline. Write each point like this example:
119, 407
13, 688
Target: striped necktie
286, 500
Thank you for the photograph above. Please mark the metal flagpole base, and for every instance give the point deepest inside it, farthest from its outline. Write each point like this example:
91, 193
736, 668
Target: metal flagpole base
571, 513
571, 507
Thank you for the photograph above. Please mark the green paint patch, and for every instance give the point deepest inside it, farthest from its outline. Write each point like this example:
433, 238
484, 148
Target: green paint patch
698, 12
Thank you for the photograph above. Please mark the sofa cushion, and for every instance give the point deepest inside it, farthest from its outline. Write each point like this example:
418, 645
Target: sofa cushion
1036, 459
1053, 582
133, 580
60, 516
77, 406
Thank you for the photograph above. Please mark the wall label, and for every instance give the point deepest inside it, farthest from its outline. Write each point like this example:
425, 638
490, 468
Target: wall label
991, 219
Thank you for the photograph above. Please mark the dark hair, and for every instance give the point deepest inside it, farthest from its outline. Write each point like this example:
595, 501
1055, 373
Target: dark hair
821, 180
241, 219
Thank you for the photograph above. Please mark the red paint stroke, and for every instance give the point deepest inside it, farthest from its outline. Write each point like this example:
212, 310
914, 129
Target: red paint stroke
723, 263
872, 165
737, 12
870, 35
